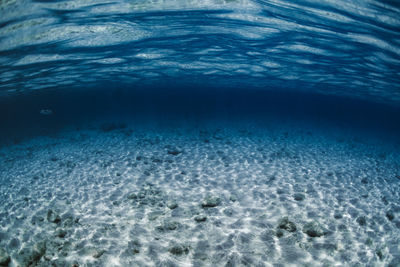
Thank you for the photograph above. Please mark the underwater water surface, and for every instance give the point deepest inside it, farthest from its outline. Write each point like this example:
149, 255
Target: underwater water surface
199, 133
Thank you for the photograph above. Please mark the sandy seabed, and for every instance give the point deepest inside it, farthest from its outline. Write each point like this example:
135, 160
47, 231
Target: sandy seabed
122, 195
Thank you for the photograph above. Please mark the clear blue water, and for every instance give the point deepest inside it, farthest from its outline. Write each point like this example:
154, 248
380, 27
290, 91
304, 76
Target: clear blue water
349, 48
254, 116
185, 55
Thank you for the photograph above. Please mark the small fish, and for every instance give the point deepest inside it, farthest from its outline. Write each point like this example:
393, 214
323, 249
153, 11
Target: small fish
46, 112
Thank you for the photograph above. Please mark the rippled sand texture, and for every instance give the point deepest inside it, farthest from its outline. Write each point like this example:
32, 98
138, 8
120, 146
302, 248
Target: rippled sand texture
122, 196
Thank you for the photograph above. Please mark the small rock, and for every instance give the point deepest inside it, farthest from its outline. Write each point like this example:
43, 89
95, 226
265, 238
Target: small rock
4, 258
200, 218
168, 226
379, 254
178, 249
279, 233
337, 215
287, 225
171, 225
174, 152
299, 197
313, 229
233, 198
53, 217
172, 204
61, 233
132, 196
30, 256
134, 246
154, 215
211, 201
390, 215
361, 220
98, 253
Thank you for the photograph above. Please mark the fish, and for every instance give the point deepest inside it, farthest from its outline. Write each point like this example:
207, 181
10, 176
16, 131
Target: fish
46, 112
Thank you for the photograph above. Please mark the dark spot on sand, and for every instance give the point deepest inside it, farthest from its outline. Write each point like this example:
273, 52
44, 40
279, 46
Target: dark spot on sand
287, 225
172, 204
178, 249
134, 246
390, 215
4, 258
211, 201
279, 233
200, 218
61, 233
53, 217
98, 253
361, 220
30, 256
174, 152
299, 197
313, 229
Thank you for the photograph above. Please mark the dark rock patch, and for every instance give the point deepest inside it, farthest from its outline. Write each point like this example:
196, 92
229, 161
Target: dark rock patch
379, 253
134, 246
154, 215
390, 215
4, 258
174, 152
132, 196
211, 201
233, 198
61, 233
168, 226
200, 218
30, 256
287, 225
313, 229
53, 217
279, 233
338, 215
299, 197
361, 221
98, 253
178, 249
172, 204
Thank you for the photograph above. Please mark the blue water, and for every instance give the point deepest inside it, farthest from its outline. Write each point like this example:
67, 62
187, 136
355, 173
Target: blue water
347, 48
206, 52
283, 113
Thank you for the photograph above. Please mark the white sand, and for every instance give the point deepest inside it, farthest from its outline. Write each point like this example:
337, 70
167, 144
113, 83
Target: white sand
111, 191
